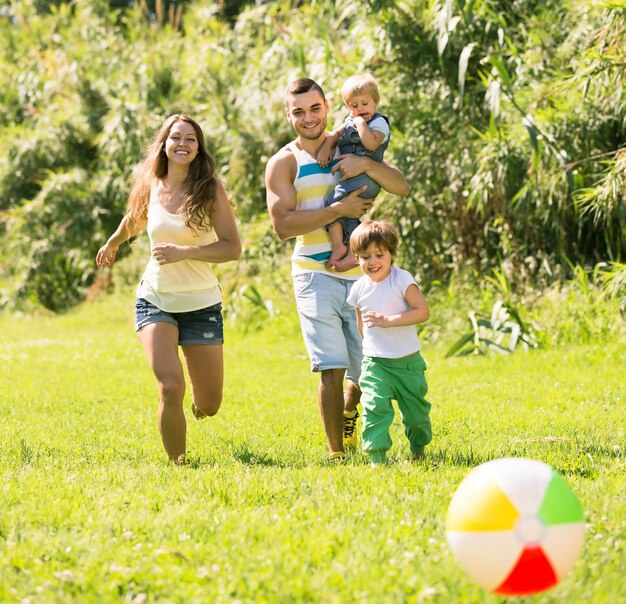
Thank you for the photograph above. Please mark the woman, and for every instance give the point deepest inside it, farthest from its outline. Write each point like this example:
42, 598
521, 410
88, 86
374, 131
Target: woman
191, 224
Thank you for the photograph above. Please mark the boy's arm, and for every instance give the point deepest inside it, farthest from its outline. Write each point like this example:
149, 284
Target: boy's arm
418, 313
371, 139
286, 219
386, 175
359, 321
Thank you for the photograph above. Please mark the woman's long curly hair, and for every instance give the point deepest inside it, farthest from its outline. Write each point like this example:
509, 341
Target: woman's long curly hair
200, 193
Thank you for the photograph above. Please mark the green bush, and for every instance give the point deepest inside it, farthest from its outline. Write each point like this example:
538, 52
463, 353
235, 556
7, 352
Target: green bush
49, 242
507, 119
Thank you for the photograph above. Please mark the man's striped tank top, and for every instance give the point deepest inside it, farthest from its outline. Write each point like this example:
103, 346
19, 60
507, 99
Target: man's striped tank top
313, 184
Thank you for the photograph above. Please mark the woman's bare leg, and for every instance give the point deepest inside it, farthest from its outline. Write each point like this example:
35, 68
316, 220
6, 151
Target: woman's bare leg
160, 343
205, 365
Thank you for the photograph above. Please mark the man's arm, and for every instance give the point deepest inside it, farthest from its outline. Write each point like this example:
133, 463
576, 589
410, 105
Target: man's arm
386, 175
281, 201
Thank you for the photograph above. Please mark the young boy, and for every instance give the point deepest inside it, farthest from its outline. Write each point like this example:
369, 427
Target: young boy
364, 132
389, 305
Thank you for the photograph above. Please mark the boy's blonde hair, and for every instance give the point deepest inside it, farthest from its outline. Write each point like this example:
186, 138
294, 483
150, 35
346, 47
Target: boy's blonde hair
363, 83
374, 232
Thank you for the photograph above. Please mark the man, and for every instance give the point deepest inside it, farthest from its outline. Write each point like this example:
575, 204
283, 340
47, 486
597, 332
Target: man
296, 189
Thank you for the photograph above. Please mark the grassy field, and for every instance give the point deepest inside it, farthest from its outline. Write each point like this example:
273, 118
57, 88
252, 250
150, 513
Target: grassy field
91, 511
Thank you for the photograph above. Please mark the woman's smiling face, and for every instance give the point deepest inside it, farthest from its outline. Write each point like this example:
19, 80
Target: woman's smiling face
181, 145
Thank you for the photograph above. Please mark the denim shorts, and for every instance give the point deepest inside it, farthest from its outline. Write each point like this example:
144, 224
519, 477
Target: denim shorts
328, 323
204, 326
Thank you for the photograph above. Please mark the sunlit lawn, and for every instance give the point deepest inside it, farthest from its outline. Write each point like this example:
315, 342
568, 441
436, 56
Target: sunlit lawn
91, 512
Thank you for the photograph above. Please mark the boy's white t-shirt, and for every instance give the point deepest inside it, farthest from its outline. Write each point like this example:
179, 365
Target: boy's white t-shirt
386, 297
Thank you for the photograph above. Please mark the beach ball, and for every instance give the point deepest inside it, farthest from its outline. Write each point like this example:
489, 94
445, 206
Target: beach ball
515, 526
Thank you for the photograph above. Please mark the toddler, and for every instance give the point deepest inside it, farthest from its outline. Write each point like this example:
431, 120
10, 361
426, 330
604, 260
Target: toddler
364, 132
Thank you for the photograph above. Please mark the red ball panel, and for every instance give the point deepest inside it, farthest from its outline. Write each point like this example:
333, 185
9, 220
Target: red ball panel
532, 573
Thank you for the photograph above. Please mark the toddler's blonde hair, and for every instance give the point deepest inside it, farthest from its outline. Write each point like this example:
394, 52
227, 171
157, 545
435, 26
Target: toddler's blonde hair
363, 83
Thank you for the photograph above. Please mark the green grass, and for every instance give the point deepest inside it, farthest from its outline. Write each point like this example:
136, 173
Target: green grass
91, 511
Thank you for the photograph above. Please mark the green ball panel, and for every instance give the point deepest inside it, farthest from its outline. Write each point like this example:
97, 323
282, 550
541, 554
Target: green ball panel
560, 505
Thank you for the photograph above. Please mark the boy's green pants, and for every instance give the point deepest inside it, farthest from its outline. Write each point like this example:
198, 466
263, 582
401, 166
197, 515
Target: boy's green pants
402, 380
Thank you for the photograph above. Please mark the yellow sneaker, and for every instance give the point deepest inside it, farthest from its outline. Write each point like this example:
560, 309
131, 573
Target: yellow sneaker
349, 429
337, 457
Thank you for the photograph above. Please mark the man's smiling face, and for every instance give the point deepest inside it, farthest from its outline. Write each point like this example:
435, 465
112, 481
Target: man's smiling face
307, 113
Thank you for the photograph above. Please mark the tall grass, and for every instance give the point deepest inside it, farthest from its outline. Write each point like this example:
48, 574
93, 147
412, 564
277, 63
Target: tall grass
92, 512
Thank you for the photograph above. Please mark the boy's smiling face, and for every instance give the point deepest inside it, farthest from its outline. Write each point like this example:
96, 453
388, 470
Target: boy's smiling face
375, 262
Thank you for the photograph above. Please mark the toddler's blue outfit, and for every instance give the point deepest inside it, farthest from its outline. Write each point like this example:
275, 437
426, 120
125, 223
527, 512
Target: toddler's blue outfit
350, 142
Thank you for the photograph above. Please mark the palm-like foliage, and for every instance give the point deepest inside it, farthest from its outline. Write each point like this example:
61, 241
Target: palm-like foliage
508, 120
501, 331
508, 110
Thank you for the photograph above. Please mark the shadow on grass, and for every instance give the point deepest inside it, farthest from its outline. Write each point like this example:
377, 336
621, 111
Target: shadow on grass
465, 459
245, 455
565, 457
241, 453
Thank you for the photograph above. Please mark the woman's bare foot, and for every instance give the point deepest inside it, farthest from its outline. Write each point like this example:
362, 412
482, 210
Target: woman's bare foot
196, 412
